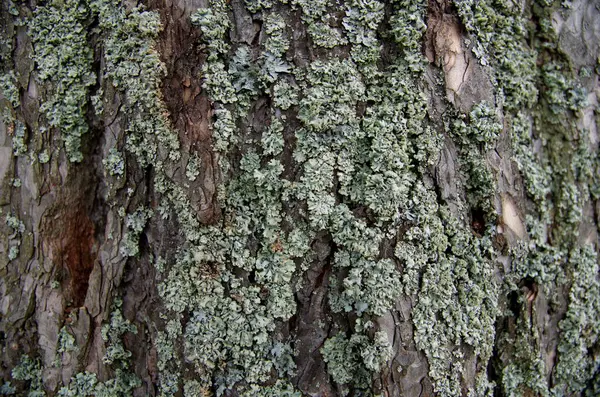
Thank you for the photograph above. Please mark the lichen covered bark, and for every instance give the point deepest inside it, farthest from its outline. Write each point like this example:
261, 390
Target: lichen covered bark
287, 198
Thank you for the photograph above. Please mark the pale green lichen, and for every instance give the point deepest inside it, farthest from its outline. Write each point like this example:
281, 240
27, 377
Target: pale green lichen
362, 170
66, 341
349, 360
580, 329
407, 26
257, 5
281, 388
214, 24
223, 129
482, 128
169, 383
526, 372
272, 137
477, 136
86, 384
19, 144
360, 24
562, 93
457, 304
277, 42
536, 171
64, 60
7, 389
15, 238
44, 156
134, 68
123, 383
342, 359
231, 327
192, 170
335, 88
13, 252
9, 88
272, 67
114, 163
135, 224
228, 337
537, 260
318, 23
169, 361
112, 333
370, 286
500, 30
81, 385
285, 95
30, 370
554, 158
193, 388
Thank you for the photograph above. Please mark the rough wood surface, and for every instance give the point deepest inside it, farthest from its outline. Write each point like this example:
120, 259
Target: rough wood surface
289, 198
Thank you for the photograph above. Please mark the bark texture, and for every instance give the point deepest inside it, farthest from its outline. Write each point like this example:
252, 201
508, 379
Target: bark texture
299, 198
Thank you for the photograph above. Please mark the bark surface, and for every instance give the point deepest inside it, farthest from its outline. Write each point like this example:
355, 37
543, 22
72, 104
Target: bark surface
299, 198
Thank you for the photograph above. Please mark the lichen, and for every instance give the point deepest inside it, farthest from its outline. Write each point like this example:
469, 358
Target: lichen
19, 144
285, 95
500, 30
112, 334
66, 341
85, 384
537, 173
123, 383
135, 223
64, 60
44, 157
350, 360
457, 305
342, 359
114, 163
360, 24
318, 23
7, 389
15, 238
345, 153
554, 158
407, 26
9, 88
580, 329
277, 42
133, 67
30, 370
370, 286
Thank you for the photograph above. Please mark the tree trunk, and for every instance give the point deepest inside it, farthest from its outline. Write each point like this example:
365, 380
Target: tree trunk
299, 197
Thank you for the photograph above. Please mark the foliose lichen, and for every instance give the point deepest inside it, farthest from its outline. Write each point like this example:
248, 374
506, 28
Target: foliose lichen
123, 383
500, 30
577, 363
14, 239
9, 88
134, 68
64, 60
30, 370
135, 224
318, 23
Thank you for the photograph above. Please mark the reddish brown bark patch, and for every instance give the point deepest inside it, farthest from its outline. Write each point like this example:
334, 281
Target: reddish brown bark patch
69, 237
76, 249
189, 108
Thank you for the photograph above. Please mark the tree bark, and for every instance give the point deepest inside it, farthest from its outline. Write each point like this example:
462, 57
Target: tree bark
299, 197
